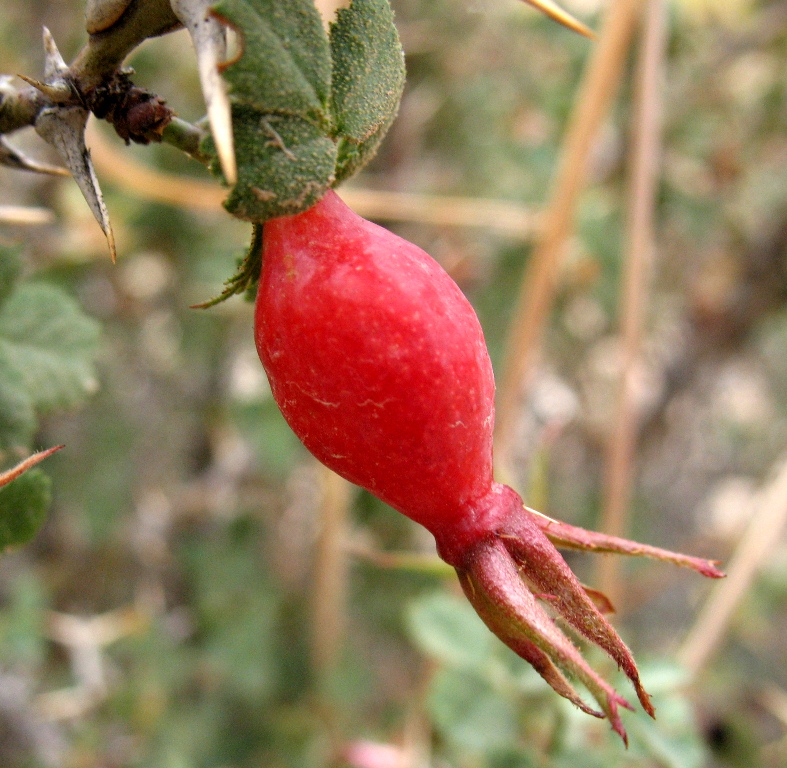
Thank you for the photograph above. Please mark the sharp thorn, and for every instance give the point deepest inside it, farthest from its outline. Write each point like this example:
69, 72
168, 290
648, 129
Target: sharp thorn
58, 91
54, 64
64, 129
209, 37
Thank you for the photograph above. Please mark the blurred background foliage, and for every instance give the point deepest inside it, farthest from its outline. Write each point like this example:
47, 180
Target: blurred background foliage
178, 609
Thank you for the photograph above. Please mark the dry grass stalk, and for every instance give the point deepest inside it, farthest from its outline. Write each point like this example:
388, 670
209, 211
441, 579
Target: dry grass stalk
147, 183
768, 520
539, 285
330, 572
23, 215
633, 301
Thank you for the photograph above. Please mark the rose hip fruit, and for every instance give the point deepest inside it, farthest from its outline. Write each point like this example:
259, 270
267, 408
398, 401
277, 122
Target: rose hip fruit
378, 363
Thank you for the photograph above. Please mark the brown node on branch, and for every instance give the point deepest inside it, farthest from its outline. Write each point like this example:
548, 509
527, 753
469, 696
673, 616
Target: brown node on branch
136, 114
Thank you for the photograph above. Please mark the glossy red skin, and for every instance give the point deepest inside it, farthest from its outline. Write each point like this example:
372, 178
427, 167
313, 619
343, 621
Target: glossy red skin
378, 363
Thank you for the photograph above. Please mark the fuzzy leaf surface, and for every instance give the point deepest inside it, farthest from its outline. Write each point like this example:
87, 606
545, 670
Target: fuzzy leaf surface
47, 346
285, 165
285, 65
368, 79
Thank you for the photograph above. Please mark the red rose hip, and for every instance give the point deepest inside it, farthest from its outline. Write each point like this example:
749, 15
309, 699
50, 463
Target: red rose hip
379, 365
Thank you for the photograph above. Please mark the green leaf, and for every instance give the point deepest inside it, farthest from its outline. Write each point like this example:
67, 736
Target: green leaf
448, 629
23, 506
285, 66
368, 69
368, 79
47, 343
285, 165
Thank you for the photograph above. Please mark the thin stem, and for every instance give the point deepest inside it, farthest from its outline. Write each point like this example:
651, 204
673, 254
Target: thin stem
187, 138
539, 286
768, 521
633, 305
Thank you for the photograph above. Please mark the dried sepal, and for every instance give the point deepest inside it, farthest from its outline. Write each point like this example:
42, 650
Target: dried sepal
513, 567
209, 37
542, 566
494, 588
572, 537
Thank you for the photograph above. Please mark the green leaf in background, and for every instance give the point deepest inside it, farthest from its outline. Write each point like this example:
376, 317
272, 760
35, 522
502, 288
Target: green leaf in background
448, 629
285, 165
285, 66
470, 713
10, 267
23, 506
48, 344
368, 79
17, 415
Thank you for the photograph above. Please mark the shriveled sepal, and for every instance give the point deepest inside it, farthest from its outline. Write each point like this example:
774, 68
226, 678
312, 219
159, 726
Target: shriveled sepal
504, 554
494, 588
544, 568
572, 537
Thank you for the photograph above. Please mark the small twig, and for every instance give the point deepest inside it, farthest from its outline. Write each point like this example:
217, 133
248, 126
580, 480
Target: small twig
330, 574
105, 52
637, 269
186, 137
539, 285
768, 521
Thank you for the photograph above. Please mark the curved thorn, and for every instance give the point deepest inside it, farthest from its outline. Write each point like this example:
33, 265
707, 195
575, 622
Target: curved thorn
54, 64
57, 91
